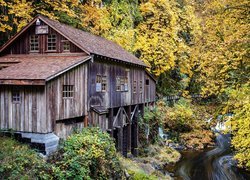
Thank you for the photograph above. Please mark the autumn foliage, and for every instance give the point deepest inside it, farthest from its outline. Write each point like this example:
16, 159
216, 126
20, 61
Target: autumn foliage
193, 47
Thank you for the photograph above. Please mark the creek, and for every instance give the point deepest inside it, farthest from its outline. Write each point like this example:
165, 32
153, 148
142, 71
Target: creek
210, 164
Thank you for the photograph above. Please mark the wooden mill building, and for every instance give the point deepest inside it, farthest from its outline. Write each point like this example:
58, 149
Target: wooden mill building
54, 78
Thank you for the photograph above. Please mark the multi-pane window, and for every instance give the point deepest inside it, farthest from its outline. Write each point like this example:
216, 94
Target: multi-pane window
104, 83
101, 83
34, 43
16, 98
68, 91
140, 86
121, 83
134, 86
51, 46
66, 46
118, 84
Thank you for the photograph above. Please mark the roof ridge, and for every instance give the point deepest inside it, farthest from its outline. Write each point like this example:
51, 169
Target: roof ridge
86, 41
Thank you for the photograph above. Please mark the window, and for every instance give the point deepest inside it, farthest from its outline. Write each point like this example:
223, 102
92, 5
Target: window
140, 86
147, 82
16, 98
134, 86
51, 42
104, 83
68, 91
121, 83
66, 46
101, 83
118, 84
34, 43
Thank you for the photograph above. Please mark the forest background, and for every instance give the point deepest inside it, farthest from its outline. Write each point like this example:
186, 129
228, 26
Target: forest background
191, 46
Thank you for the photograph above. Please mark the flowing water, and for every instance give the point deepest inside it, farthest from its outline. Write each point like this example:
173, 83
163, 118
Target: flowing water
210, 164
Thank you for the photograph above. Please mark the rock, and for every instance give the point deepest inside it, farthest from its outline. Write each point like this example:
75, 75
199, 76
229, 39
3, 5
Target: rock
176, 146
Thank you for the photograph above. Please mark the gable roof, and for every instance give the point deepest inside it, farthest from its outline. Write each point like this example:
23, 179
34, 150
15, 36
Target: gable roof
89, 43
38, 67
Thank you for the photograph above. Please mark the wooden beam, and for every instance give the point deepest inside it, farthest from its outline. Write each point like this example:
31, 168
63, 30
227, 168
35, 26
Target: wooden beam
116, 117
110, 121
133, 113
22, 82
129, 129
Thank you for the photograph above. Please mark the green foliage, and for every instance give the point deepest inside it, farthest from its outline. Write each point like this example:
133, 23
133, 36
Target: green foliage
184, 121
179, 118
239, 104
90, 154
18, 161
148, 126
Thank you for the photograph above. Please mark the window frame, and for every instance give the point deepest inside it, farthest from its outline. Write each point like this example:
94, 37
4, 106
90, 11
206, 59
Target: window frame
140, 86
68, 91
52, 42
122, 83
101, 82
134, 87
104, 84
63, 45
34, 43
16, 96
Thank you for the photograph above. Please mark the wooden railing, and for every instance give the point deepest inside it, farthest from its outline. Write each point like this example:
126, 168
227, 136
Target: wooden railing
176, 97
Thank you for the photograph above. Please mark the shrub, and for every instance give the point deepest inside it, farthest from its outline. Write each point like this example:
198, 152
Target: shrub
18, 161
148, 126
90, 154
179, 118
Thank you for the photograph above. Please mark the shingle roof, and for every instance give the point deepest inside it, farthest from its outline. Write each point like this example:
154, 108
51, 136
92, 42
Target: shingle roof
92, 43
41, 67
89, 43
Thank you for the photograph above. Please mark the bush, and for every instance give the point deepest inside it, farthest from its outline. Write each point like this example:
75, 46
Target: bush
18, 161
90, 154
148, 126
178, 118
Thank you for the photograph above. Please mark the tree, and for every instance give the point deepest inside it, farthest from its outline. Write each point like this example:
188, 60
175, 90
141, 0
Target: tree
239, 104
224, 57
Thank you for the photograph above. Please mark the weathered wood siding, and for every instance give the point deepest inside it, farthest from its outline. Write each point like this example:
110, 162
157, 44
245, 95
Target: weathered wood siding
22, 44
59, 108
150, 89
112, 98
29, 115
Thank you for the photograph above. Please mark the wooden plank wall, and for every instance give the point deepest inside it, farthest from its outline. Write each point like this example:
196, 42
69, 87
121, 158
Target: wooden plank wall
59, 108
150, 90
29, 115
22, 46
112, 98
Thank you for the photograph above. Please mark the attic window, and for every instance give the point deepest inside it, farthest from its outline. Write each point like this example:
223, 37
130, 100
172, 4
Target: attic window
34, 43
68, 91
51, 42
66, 46
16, 98
147, 82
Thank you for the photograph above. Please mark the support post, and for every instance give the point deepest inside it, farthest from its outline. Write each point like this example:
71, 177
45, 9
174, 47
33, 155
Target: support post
129, 129
110, 121
85, 121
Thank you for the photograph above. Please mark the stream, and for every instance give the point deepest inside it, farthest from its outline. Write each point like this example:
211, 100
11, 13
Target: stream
210, 164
